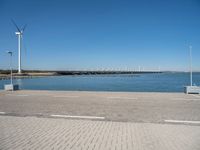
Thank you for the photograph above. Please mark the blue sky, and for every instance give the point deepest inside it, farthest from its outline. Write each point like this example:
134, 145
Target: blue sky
91, 34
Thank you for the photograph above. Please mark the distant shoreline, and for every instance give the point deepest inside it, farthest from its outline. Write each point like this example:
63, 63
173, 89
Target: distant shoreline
5, 74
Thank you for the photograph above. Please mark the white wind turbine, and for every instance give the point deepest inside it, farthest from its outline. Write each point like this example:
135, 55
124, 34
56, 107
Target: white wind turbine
19, 33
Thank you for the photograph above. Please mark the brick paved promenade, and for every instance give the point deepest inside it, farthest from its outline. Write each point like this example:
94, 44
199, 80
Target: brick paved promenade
19, 133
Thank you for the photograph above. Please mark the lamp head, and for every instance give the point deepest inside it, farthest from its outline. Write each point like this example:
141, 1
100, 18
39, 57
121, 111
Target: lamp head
9, 52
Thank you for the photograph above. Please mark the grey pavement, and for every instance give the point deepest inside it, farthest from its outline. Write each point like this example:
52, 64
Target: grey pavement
114, 106
121, 121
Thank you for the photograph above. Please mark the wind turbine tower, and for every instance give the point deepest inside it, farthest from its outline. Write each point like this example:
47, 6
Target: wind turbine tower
19, 33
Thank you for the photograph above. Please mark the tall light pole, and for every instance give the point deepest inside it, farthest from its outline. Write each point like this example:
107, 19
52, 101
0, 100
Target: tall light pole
191, 89
11, 86
11, 78
190, 48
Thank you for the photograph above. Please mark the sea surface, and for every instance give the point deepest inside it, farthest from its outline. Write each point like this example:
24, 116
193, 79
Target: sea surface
158, 82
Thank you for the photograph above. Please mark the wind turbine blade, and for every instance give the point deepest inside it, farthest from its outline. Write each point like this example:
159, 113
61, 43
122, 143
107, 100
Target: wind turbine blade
24, 27
15, 25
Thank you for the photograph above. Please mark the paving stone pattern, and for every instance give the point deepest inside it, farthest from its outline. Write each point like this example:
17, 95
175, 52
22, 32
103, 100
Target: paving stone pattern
24, 133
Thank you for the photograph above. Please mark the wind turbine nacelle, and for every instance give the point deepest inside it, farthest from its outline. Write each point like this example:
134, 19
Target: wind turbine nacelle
17, 33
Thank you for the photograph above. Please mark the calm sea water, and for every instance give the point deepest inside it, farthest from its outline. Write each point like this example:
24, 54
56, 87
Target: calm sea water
164, 82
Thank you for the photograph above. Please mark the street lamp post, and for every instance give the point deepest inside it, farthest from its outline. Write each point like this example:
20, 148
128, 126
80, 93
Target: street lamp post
11, 86
190, 47
191, 89
11, 78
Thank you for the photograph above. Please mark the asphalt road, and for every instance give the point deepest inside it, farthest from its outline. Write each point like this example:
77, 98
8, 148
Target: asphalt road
109, 106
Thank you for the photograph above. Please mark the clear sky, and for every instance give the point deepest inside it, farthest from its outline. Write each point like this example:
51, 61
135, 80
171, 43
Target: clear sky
93, 34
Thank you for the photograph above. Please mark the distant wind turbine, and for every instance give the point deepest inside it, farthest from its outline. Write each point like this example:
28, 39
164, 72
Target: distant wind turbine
19, 33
